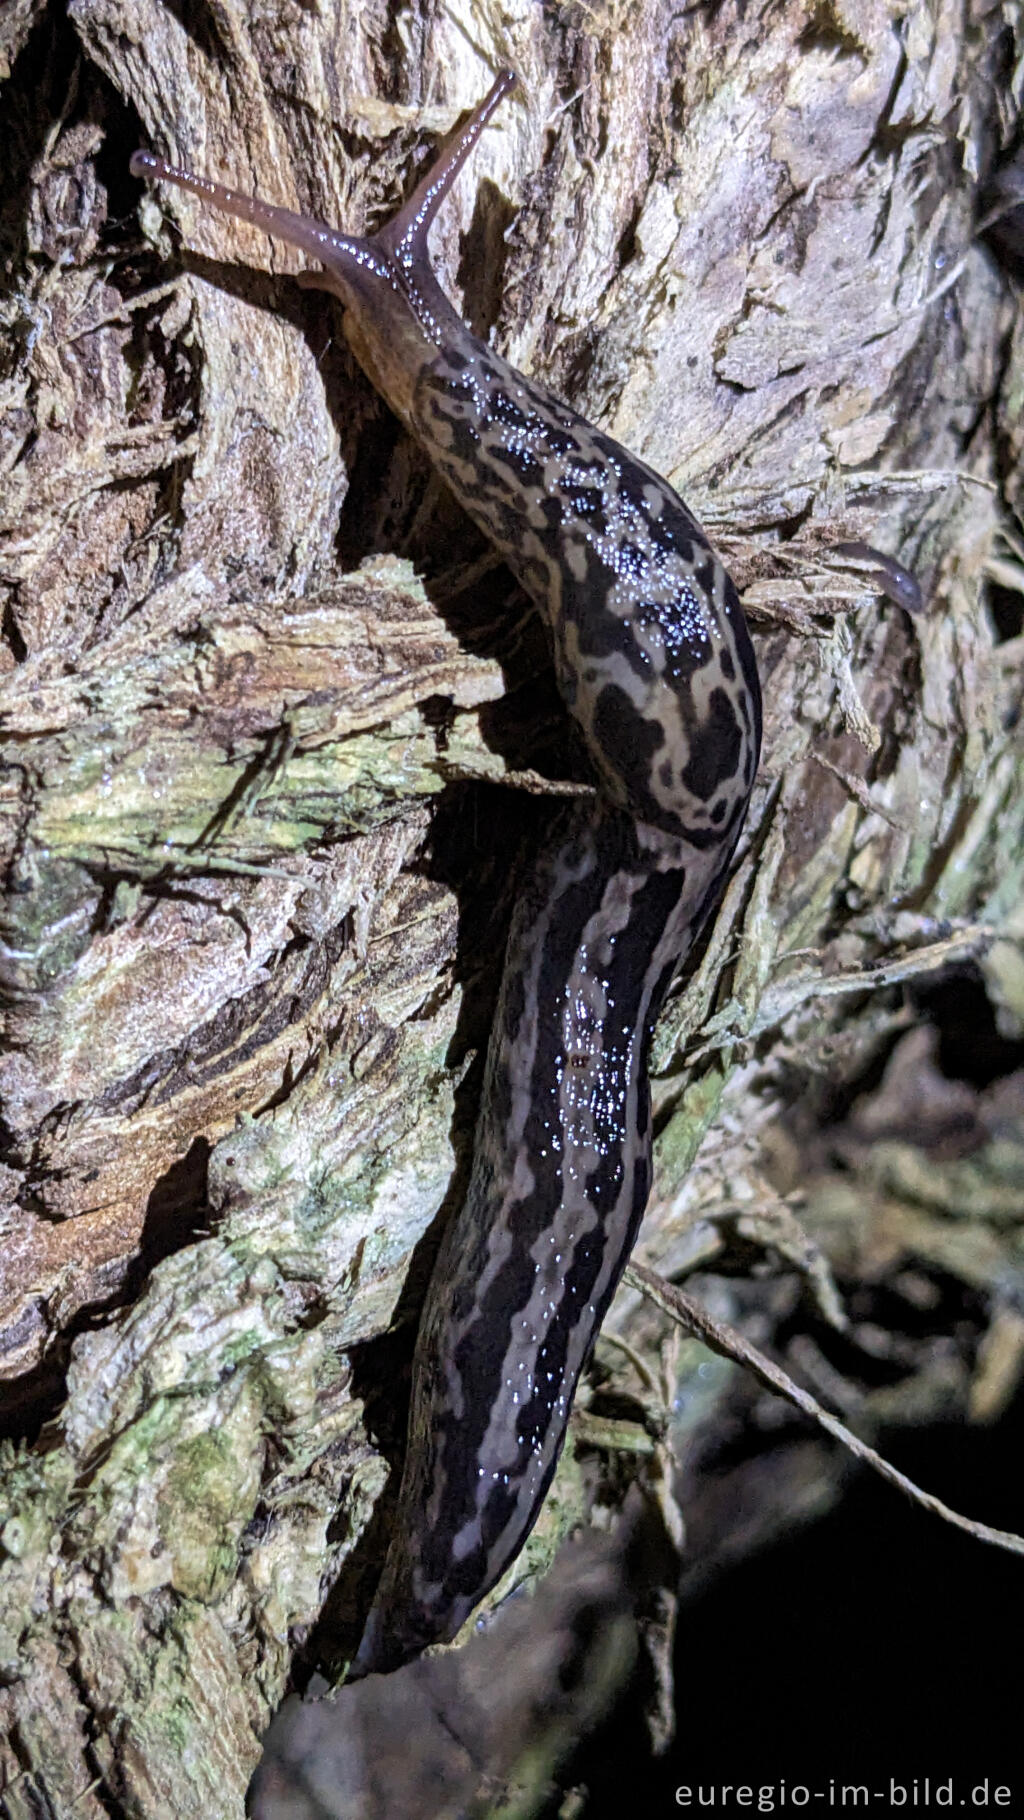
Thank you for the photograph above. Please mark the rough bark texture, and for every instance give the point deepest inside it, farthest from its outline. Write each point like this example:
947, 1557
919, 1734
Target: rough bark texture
252, 908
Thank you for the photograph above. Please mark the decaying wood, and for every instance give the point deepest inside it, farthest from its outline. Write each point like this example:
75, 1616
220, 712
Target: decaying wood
239, 673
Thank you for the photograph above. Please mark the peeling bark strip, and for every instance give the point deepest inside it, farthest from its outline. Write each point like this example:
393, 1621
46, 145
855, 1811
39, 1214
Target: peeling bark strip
729, 258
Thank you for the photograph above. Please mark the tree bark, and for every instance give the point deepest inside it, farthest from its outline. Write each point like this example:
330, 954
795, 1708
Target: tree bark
260, 684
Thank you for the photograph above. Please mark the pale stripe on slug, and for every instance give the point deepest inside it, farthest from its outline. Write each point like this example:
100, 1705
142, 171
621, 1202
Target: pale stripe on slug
655, 665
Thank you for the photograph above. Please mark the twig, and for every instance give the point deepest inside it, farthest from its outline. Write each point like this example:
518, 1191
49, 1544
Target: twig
731, 1345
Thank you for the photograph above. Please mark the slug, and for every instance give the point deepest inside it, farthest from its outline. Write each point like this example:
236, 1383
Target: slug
890, 577
655, 664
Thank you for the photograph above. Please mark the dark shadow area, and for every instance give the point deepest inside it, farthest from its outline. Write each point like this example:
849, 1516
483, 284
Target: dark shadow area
485, 256
879, 1644
381, 1376
30, 1401
87, 202
40, 79
177, 1213
1001, 208
971, 1046
1006, 611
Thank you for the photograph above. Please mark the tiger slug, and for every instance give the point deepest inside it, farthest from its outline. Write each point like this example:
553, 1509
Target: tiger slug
655, 664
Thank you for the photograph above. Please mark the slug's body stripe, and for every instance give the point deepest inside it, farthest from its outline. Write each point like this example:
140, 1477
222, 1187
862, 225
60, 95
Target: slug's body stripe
560, 1180
655, 664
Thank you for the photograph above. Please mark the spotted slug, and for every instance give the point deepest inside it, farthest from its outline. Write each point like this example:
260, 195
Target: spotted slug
655, 665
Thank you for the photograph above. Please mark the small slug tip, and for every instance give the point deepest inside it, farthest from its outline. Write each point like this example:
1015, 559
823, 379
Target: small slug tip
889, 576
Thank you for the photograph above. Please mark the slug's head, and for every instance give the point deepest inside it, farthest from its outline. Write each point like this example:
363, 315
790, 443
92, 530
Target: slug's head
398, 318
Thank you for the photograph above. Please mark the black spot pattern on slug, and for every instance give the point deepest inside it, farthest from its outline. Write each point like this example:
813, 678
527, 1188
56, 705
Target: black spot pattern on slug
715, 748
625, 737
507, 411
588, 508
561, 441
522, 464
464, 438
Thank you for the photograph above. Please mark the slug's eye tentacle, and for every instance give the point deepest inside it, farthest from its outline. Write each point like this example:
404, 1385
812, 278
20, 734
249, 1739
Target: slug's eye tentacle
887, 575
405, 235
314, 237
655, 665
